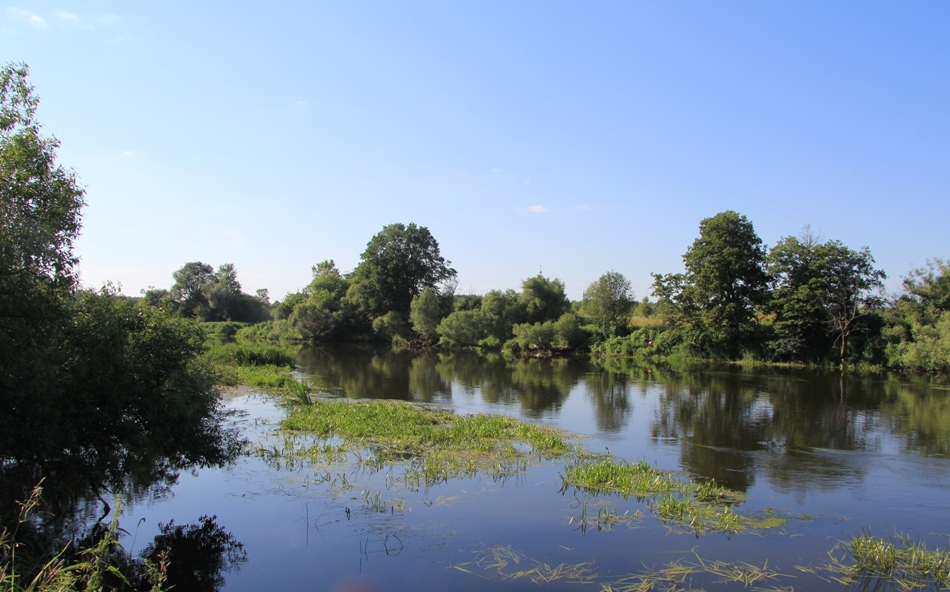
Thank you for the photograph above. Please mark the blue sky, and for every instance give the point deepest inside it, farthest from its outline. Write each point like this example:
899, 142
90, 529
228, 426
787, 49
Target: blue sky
572, 137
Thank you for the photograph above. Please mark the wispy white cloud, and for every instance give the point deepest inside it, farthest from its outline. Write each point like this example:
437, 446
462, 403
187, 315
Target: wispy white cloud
497, 171
67, 16
128, 153
537, 209
581, 207
297, 107
34, 20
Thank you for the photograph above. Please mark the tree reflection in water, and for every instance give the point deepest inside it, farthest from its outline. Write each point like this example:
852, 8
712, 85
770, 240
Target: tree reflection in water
198, 554
730, 423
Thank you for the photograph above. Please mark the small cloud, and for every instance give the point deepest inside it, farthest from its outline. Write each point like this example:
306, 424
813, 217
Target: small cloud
33, 19
67, 16
537, 209
497, 171
299, 106
582, 207
128, 153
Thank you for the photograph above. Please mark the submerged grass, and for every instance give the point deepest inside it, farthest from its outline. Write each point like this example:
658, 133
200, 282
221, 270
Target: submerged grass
510, 564
679, 575
869, 561
506, 563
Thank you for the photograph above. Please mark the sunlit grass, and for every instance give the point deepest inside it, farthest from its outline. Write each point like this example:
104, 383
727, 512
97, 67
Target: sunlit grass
866, 560
698, 507
402, 429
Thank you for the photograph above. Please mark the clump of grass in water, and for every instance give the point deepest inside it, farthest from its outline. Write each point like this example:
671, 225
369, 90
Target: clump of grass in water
403, 428
896, 560
433, 445
641, 480
510, 564
678, 575
264, 366
698, 507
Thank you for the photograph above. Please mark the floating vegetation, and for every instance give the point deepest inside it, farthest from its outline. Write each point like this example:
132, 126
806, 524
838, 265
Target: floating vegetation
506, 563
679, 575
401, 429
605, 518
697, 507
640, 480
869, 562
513, 565
415, 447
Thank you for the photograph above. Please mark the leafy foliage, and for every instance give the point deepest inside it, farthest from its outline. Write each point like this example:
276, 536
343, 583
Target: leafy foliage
919, 330
608, 302
95, 389
543, 299
398, 264
724, 283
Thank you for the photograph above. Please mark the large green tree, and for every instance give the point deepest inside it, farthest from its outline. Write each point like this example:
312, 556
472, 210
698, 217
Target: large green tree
801, 319
543, 299
399, 262
189, 289
824, 292
40, 203
853, 291
608, 302
94, 388
725, 282
919, 322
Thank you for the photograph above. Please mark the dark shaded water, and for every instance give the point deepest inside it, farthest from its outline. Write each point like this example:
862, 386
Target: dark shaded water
839, 455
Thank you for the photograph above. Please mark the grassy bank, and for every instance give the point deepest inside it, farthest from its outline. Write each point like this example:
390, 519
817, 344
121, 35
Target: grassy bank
264, 366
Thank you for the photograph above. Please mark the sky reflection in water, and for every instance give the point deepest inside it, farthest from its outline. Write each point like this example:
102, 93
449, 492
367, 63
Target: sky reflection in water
863, 453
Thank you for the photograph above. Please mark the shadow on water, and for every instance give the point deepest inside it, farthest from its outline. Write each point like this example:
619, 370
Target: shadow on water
65, 513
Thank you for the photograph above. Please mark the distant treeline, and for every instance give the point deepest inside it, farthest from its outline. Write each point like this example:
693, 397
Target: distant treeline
806, 300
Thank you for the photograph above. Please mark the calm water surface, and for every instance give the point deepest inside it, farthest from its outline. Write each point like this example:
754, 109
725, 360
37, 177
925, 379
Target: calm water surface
838, 454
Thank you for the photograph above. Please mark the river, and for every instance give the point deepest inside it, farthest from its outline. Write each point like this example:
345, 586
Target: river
835, 455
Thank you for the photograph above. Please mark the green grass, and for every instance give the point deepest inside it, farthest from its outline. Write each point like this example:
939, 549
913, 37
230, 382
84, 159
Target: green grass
867, 560
262, 366
235, 354
407, 429
697, 507
639, 479
432, 446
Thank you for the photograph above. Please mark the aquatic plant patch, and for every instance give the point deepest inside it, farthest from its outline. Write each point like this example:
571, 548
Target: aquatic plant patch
698, 507
401, 430
868, 561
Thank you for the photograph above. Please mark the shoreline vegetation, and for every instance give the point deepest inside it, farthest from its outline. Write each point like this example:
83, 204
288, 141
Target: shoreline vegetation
803, 303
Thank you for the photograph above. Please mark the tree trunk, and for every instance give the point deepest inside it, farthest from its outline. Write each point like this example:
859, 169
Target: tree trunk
844, 344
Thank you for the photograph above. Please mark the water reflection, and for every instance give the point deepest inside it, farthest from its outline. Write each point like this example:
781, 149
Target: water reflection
198, 555
734, 425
